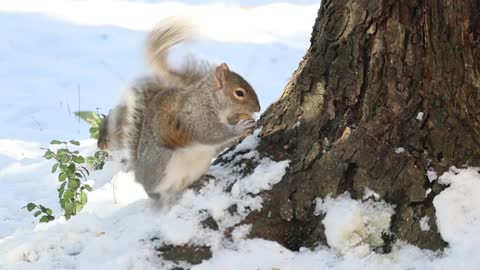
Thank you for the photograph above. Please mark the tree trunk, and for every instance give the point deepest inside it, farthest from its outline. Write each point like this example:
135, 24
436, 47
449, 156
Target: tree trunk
379, 76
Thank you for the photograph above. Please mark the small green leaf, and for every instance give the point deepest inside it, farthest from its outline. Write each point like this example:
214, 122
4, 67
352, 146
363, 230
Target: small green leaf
87, 116
71, 169
49, 211
44, 219
31, 206
78, 159
37, 213
56, 142
54, 167
43, 208
97, 118
78, 207
83, 198
48, 154
61, 189
88, 187
76, 152
62, 176
68, 195
62, 151
74, 184
94, 133
47, 218
63, 157
77, 143
69, 209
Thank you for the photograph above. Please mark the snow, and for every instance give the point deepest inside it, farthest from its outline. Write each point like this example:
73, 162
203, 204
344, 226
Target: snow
457, 206
399, 150
81, 53
368, 193
420, 116
70, 62
238, 23
18, 150
241, 232
351, 223
431, 175
424, 226
122, 231
264, 170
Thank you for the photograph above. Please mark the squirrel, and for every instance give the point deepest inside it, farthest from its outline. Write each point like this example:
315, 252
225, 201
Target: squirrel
179, 120
112, 129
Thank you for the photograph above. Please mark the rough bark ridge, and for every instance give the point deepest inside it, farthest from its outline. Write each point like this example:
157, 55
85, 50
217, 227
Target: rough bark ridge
372, 67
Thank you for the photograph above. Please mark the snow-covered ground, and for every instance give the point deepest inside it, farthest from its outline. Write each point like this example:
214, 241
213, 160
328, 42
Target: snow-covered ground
58, 57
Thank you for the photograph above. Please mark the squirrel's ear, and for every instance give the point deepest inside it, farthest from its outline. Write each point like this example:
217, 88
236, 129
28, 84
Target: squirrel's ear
220, 74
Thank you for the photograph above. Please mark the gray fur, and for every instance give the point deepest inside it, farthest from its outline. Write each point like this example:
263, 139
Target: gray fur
111, 131
187, 101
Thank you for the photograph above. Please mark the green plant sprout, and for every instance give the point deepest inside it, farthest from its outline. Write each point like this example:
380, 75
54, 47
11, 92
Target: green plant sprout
72, 172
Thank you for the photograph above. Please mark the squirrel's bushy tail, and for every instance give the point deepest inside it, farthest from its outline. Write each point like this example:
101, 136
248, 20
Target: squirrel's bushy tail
167, 34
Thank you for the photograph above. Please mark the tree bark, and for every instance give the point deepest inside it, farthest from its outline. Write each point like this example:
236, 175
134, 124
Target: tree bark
379, 76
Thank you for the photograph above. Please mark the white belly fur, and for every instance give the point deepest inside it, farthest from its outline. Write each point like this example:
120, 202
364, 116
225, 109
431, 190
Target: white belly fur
186, 166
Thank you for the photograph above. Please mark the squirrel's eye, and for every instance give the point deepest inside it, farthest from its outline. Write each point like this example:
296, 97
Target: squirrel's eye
240, 93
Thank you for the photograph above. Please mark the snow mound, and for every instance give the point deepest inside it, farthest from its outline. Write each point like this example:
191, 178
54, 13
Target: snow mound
350, 223
424, 226
458, 212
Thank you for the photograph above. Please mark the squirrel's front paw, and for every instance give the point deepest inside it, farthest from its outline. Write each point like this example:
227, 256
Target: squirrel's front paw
245, 127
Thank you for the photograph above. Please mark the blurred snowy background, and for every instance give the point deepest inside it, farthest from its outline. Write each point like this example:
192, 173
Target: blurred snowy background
61, 56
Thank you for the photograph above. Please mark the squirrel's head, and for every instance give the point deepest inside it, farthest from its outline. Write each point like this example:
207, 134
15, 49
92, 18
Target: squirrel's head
241, 96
